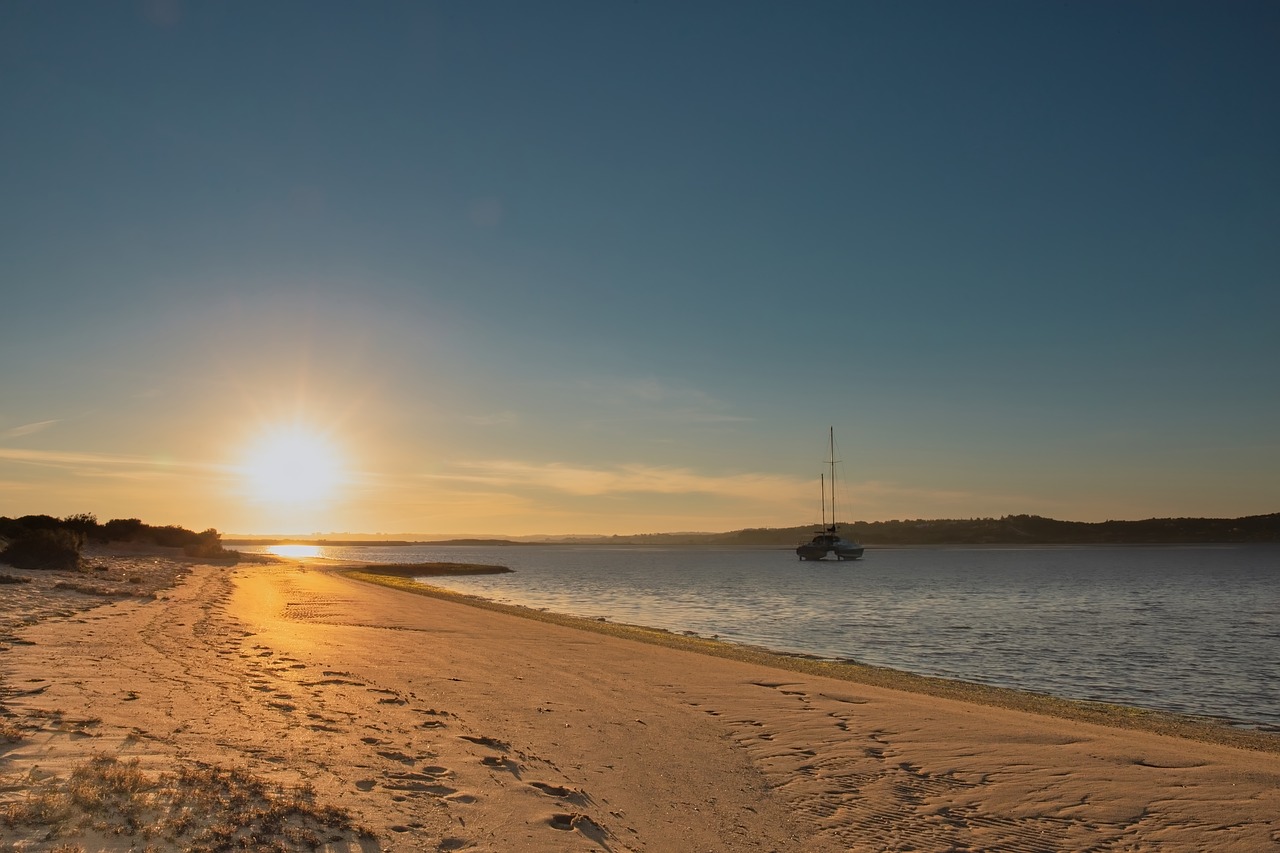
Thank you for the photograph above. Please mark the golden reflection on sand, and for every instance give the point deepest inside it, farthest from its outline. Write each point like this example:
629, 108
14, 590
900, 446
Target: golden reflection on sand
294, 551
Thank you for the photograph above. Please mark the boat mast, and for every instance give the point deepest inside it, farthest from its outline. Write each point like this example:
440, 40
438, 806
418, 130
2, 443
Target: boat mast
832, 431
822, 484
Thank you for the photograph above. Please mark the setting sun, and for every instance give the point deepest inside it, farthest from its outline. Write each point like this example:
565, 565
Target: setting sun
292, 465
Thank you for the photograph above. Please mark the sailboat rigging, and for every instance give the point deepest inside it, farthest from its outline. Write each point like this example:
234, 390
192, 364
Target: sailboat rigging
827, 540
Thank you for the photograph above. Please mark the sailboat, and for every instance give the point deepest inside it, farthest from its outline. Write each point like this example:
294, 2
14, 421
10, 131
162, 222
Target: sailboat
827, 541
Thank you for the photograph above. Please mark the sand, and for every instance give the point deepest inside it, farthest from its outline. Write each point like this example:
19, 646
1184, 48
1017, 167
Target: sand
379, 720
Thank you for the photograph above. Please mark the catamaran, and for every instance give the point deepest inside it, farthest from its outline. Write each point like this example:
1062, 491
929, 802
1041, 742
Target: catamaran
827, 541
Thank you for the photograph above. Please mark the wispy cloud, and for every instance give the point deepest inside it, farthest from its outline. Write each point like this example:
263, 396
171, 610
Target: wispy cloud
622, 479
27, 429
104, 464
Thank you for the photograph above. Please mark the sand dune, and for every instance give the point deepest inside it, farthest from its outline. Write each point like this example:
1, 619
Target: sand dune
431, 725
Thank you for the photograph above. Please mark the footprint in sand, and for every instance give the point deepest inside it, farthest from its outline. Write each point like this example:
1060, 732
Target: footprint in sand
567, 821
560, 792
321, 727
492, 743
502, 762
417, 783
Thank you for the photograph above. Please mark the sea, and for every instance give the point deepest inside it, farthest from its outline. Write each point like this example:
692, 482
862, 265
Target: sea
1189, 629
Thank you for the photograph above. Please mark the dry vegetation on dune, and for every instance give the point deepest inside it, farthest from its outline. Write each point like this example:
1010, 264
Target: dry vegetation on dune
197, 808
100, 802
10, 732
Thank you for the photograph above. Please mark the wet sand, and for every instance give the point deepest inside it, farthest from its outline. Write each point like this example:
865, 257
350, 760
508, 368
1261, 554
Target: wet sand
438, 725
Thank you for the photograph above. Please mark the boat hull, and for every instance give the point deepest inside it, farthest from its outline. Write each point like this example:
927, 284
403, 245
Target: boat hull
848, 551
828, 543
812, 552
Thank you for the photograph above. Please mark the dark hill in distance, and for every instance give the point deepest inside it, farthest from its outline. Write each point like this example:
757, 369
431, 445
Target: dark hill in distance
1009, 530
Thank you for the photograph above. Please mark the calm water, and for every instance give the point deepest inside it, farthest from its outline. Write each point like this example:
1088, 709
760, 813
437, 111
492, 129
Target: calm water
1194, 630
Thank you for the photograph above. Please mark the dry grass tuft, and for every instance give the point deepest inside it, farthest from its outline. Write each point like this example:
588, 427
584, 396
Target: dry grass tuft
203, 809
10, 732
90, 589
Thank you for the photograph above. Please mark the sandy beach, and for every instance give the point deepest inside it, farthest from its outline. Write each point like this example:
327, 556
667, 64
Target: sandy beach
353, 716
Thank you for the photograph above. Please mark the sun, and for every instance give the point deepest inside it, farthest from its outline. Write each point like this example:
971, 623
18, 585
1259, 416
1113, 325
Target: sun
292, 466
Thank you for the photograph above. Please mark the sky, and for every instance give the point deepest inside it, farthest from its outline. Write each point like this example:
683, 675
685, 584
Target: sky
617, 266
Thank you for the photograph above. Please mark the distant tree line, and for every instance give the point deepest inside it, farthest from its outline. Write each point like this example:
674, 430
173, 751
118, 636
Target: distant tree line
1036, 530
45, 542
1009, 530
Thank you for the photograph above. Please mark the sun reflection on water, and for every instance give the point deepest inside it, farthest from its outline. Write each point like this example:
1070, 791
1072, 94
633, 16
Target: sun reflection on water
295, 551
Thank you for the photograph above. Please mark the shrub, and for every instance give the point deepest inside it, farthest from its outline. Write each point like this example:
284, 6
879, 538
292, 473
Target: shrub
172, 536
84, 523
122, 529
208, 545
12, 528
44, 549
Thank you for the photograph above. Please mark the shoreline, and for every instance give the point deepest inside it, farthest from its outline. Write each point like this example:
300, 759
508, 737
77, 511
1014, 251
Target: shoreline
1189, 727
420, 722
1090, 629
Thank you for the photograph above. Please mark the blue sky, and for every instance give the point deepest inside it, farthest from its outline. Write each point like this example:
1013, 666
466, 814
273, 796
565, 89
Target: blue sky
616, 266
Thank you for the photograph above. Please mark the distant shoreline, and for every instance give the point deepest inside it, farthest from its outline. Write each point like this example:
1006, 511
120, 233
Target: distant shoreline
1012, 530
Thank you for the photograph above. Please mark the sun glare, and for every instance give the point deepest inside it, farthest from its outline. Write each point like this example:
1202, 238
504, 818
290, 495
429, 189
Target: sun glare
295, 551
292, 466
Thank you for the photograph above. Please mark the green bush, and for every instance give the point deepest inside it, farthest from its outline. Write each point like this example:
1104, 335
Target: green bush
44, 549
